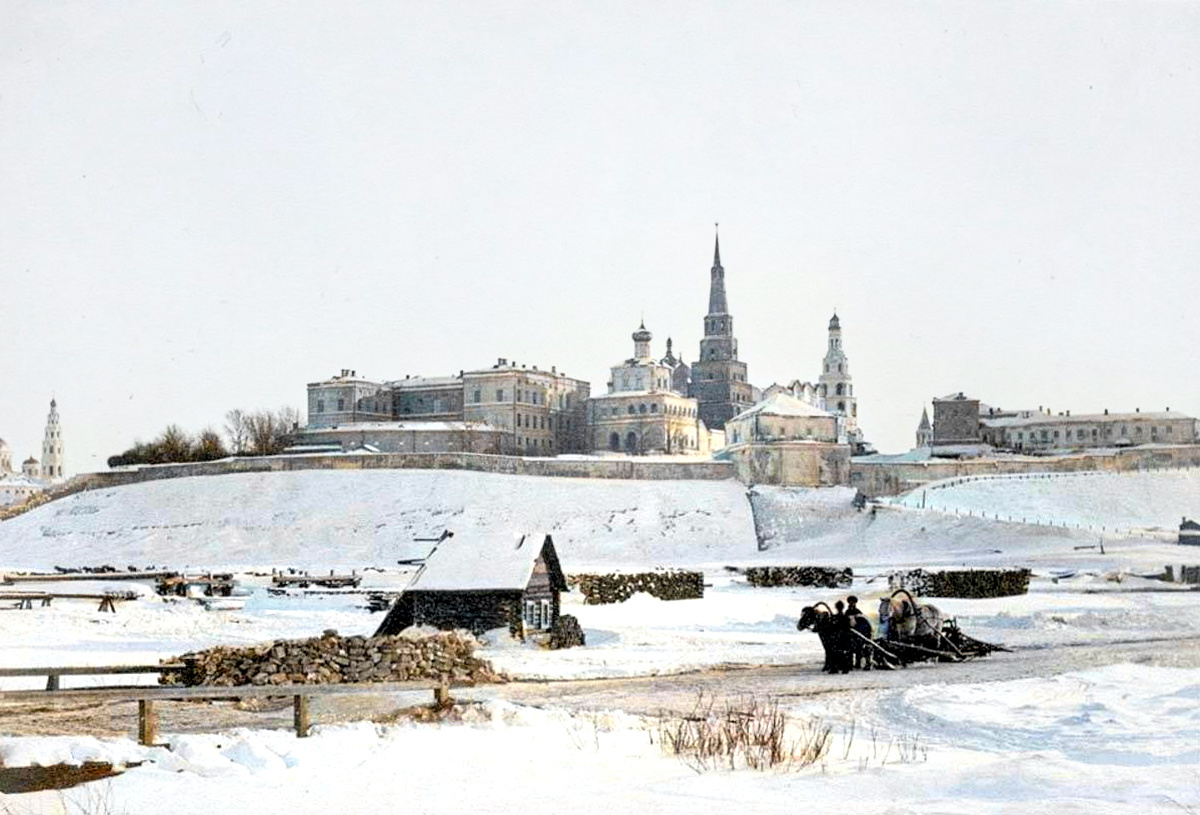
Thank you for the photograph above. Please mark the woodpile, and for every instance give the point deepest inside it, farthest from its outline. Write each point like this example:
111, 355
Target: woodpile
566, 633
966, 584
600, 589
818, 576
332, 659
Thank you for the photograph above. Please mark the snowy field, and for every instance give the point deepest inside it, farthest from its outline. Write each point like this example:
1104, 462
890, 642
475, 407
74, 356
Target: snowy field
1115, 739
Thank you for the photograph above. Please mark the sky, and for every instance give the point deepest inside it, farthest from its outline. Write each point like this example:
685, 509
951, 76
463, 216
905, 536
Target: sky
208, 205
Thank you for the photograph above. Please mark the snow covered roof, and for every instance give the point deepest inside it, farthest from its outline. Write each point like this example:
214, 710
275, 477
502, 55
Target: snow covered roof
781, 404
1042, 418
644, 393
488, 563
360, 427
427, 382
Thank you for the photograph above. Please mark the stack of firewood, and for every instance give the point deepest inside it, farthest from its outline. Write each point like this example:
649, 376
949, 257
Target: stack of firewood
968, 584
331, 659
598, 589
819, 576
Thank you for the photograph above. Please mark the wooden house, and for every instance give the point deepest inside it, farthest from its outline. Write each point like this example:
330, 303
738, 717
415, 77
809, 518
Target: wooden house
483, 583
1189, 533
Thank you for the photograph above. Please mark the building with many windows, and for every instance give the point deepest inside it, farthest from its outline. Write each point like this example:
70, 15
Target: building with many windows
643, 412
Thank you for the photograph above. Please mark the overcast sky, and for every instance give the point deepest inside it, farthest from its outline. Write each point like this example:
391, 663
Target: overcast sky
208, 205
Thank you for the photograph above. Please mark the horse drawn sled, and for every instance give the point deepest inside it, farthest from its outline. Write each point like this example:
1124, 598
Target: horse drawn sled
909, 632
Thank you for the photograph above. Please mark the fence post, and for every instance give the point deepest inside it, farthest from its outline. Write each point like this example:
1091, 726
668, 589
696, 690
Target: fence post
300, 716
147, 722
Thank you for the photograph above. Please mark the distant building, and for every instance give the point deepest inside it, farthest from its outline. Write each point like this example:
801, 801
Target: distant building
52, 446
1189, 533
833, 390
643, 412
35, 476
784, 440
955, 424
1036, 431
348, 399
719, 382
503, 409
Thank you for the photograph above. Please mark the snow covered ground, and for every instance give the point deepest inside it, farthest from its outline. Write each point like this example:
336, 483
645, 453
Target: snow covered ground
1127, 501
345, 519
1117, 739
1120, 739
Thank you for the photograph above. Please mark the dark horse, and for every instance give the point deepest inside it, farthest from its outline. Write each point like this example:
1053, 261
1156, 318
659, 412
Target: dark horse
843, 650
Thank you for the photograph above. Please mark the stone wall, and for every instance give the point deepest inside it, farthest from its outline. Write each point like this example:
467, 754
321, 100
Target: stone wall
894, 477
331, 659
598, 589
626, 468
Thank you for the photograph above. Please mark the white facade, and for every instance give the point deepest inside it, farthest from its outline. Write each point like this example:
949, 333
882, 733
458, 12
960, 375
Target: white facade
52, 446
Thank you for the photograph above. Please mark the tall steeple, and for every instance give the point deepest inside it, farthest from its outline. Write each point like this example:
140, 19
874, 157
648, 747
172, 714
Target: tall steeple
716, 293
718, 378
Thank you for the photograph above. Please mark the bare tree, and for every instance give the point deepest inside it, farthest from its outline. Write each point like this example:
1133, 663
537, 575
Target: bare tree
237, 430
209, 446
174, 444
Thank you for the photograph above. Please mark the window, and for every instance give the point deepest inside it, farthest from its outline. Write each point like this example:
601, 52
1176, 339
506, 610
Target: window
631, 409
654, 408
341, 404
478, 396
320, 406
500, 395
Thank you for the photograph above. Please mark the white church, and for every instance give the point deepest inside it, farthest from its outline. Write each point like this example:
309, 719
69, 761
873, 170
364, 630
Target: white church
34, 476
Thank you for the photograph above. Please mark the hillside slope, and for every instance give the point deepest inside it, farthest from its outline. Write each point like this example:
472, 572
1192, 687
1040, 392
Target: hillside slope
363, 518
1129, 500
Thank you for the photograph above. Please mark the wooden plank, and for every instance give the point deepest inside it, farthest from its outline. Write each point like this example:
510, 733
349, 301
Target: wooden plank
133, 693
147, 722
54, 578
93, 670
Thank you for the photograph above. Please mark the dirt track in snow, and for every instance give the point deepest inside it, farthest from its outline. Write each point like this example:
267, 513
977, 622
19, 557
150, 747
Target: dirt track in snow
640, 695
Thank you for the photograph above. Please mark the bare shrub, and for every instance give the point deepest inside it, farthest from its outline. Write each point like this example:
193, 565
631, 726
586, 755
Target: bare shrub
747, 733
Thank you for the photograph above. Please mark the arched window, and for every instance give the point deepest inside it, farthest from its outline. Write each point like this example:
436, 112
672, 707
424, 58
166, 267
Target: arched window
631, 409
840, 389
614, 442
631, 442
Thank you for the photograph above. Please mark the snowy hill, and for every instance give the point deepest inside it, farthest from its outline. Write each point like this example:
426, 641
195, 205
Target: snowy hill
353, 519
1130, 500
364, 518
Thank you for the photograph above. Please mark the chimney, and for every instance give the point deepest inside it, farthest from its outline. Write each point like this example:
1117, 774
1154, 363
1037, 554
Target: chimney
1068, 413
1137, 410
1106, 411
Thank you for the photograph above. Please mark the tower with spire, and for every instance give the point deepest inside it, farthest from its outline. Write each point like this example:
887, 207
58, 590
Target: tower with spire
836, 385
924, 431
718, 378
52, 446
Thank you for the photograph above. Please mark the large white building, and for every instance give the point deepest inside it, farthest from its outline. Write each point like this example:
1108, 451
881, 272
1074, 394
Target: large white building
642, 412
834, 389
35, 476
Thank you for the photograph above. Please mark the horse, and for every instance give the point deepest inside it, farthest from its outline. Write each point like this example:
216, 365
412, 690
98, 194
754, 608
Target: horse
843, 650
910, 620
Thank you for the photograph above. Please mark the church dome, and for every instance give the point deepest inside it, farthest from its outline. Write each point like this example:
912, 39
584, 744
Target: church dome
30, 460
642, 334
834, 324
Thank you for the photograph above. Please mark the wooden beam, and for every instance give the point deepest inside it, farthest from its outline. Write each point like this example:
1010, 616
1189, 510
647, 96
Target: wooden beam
133, 693
93, 670
147, 722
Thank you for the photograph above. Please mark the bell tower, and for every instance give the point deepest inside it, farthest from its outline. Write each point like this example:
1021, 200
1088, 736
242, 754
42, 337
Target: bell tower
718, 377
52, 446
835, 384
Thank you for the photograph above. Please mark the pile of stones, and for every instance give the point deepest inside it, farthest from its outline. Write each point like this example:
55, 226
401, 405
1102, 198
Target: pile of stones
819, 576
599, 589
966, 584
332, 659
